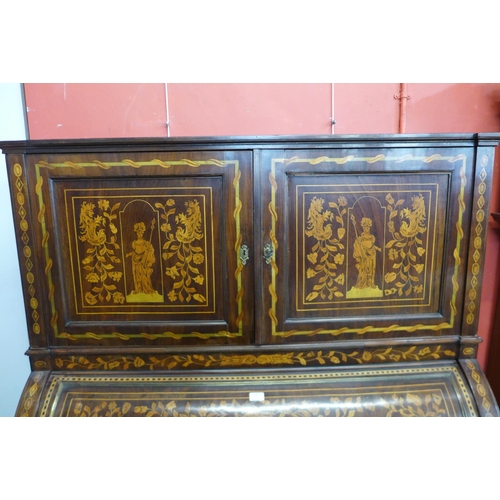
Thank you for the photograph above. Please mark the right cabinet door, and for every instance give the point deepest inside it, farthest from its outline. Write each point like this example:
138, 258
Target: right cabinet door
363, 245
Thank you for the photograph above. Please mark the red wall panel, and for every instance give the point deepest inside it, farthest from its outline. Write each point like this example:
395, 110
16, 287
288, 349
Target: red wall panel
86, 110
362, 108
461, 107
250, 109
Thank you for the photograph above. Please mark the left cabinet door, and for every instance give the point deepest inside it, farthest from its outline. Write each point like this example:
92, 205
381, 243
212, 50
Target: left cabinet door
144, 248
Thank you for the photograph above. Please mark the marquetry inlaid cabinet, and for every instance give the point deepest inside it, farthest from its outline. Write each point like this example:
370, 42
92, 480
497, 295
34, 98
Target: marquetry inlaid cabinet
246, 276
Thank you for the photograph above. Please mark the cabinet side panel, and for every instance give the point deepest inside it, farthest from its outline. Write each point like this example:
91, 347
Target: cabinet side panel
31, 274
480, 211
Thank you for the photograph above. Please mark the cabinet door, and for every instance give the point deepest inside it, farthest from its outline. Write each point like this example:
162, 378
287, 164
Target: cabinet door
145, 248
363, 245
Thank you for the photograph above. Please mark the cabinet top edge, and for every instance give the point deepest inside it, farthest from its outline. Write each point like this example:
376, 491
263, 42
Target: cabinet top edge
252, 142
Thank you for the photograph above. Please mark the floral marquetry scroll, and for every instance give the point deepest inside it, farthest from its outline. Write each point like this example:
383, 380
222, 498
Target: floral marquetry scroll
328, 247
311, 358
99, 232
184, 245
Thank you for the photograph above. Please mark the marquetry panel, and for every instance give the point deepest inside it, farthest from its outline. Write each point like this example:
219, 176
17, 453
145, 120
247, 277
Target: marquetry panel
369, 247
366, 245
488, 407
141, 247
146, 247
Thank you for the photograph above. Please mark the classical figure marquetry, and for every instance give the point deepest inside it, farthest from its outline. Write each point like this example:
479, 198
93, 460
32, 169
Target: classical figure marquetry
344, 264
261, 276
152, 250
142, 259
365, 253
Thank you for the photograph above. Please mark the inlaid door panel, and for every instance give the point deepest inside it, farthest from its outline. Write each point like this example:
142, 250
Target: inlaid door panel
147, 248
363, 245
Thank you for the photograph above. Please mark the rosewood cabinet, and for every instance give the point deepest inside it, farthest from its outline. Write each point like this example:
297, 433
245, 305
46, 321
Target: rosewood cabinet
312, 275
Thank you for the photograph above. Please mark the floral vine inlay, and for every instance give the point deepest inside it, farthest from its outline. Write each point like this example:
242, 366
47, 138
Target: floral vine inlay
100, 232
414, 406
406, 247
325, 253
180, 361
182, 246
407, 405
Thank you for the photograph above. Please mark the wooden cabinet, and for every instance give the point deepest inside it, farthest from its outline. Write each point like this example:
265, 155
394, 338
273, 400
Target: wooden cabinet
333, 275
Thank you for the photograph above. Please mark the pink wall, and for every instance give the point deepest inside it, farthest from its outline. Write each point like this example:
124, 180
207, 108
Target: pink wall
71, 110
250, 109
362, 108
139, 110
